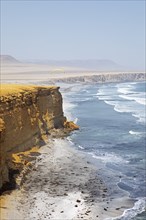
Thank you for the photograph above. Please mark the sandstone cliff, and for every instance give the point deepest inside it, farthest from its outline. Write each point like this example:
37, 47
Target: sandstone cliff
27, 114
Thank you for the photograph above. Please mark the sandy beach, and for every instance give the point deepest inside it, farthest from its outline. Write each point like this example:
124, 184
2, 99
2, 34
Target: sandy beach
62, 184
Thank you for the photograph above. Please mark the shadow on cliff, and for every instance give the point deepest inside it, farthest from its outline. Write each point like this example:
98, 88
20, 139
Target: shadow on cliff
11, 185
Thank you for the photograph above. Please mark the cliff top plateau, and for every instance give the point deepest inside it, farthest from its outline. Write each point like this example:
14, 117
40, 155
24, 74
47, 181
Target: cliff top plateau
11, 89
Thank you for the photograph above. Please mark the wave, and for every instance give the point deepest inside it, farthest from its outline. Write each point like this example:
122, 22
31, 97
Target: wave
118, 106
76, 120
136, 133
108, 157
106, 90
118, 109
141, 118
82, 148
109, 102
139, 100
68, 107
125, 88
129, 214
69, 140
125, 107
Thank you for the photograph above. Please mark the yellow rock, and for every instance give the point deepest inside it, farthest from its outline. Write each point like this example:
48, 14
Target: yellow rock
71, 125
27, 114
13, 89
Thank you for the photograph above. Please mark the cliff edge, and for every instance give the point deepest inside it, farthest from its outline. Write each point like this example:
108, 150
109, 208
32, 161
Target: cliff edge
27, 115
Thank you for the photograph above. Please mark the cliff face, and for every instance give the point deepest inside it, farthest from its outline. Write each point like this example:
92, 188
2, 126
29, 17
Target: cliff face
104, 78
26, 115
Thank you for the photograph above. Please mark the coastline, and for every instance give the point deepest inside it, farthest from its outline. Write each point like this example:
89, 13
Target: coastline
60, 159
62, 185
42, 73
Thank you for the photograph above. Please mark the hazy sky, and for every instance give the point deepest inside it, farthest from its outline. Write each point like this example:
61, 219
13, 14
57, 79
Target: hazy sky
74, 30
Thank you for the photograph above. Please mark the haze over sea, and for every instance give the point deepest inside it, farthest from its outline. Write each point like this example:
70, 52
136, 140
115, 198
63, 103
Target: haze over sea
112, 133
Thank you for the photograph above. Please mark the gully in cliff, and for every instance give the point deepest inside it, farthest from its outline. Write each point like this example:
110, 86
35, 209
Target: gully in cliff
28, 114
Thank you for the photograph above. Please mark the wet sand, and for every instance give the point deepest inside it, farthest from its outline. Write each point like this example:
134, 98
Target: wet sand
62, 184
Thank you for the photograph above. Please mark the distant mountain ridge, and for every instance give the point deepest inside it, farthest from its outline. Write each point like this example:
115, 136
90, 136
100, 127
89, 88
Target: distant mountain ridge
81, 65
8, 59
89, 64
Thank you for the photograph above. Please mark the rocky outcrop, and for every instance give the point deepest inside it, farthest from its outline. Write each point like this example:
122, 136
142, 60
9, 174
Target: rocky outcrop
70, 125
27, 115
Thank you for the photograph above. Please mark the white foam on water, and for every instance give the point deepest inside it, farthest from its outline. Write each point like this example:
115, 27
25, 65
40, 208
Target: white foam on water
136, 133
100, 92
114, 103
118, 109
141, 118
67, 108
133, 100
122, 107
141, 101
76, 120
137, 99
128, 214
125, 88
106, 90
70, 140
108, 158
82, 148
68, 105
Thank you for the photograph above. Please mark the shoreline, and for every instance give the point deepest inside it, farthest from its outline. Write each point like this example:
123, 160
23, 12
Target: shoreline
68, 203
46, 73
62, 185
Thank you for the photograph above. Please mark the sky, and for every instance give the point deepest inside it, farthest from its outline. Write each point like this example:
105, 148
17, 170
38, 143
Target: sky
64, 30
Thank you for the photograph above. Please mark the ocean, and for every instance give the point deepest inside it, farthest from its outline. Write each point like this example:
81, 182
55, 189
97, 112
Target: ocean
112, 133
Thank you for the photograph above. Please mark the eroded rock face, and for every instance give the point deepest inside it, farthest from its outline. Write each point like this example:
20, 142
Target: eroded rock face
25, 117
104, 78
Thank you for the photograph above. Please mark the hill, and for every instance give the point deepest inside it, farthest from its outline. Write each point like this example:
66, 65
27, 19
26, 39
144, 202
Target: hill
90, 64
8, 59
